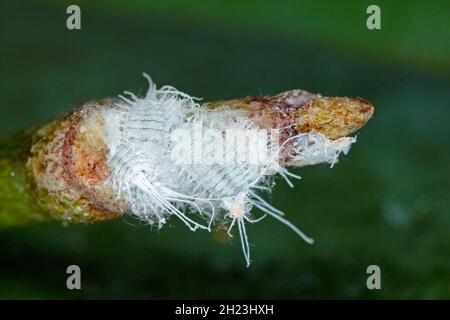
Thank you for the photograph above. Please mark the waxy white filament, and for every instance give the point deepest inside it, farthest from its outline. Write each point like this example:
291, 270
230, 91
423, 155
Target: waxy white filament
140, 135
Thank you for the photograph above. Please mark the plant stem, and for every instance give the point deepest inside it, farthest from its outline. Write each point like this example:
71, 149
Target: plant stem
61, 170
17, 202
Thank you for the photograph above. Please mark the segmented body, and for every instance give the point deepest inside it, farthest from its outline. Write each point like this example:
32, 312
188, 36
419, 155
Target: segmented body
157, 186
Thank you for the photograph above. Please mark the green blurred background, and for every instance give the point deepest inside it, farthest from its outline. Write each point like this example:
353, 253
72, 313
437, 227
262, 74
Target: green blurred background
386, 203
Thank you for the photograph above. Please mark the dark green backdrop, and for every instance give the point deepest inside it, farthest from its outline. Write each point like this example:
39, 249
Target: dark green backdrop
386, 203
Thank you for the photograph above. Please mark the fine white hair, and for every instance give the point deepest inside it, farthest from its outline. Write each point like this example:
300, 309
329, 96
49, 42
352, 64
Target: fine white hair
156, 186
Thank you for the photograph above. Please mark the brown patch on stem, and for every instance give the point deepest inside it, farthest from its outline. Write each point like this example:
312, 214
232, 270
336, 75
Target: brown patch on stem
69, 169
334, 117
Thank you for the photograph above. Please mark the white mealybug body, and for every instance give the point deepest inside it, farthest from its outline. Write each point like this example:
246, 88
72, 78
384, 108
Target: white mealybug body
159, 169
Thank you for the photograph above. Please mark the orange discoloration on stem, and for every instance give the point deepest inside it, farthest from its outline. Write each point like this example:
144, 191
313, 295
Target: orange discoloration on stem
69, 169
